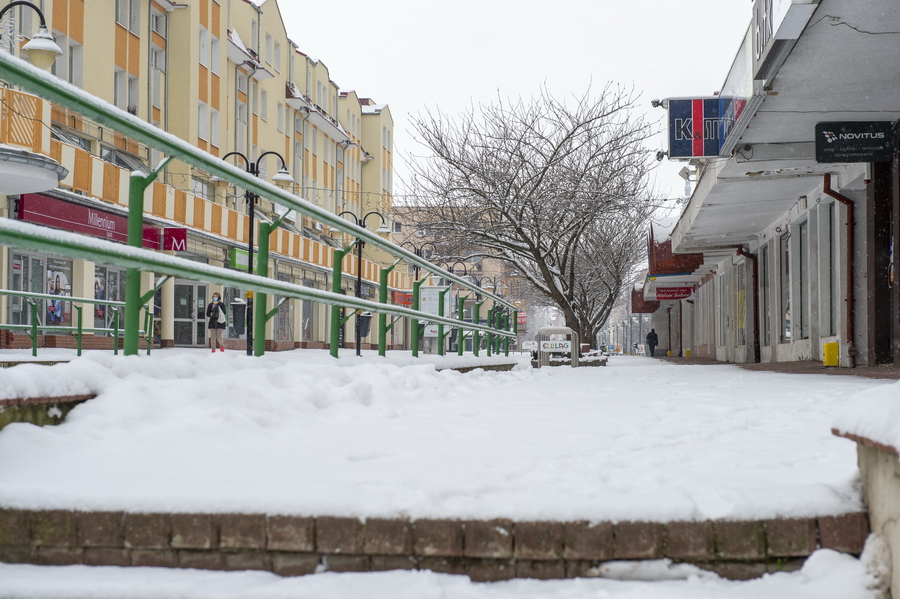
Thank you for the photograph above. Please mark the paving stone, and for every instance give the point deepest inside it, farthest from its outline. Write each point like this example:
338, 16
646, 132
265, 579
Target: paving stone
388, 536
491, 570
339, 535
846, 533
165, 558
438, 538
690, 540
381, 563
739, 570
348, 563
541, 569
443, 565
54, 528
743, 540
147, 531
101, 529
18, 554
790, 537
193, 531
14, 527
639, 540
292, 533
488, 538
247, 560
106, 556
539, 540
60, 556
586, 541
294, 564
201, 560
242, 531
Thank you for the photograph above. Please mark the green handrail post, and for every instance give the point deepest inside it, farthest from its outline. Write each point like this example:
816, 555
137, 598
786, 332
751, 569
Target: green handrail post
382, 317
139, 183
78, 309
336, 288
262, 269
34, 327
148, 328
506, 339
476, 319
490, 336
116, 332
460, 336
441, 335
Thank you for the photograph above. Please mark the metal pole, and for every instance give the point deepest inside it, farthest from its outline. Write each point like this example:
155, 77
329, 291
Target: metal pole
78, 309
34, 328
259, 309
356, 331
335, 340
115, 331
460, 336
476, 319
251, 202
441, 297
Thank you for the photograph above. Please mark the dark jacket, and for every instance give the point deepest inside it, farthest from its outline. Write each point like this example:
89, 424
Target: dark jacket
213, 314
652, 339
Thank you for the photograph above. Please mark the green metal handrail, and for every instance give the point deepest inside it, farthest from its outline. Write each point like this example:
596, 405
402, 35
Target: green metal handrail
68, 96
37, 238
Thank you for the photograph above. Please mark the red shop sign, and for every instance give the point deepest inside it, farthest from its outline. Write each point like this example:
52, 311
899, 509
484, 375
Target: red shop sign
673, 293
403, 299
35, 208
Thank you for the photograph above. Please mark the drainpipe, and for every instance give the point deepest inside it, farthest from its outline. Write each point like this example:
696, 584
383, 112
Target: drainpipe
851, 329
669, 342
754, 282
680, 329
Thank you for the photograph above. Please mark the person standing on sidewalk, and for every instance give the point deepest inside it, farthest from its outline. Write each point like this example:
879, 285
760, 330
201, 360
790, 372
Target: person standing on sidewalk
218, 320
652, 341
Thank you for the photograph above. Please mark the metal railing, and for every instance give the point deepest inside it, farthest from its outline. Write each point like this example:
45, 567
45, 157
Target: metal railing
137, 259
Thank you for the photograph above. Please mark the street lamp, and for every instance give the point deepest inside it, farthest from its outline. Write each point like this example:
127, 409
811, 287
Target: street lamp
42, 49
361, 222
282, 176
419, 250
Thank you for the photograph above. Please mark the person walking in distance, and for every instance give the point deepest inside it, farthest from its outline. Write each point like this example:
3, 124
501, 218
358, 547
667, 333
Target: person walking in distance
652, 341
215, 311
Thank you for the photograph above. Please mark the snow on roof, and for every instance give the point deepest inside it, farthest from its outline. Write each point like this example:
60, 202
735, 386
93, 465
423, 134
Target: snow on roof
661, 228
873, 414
373, 108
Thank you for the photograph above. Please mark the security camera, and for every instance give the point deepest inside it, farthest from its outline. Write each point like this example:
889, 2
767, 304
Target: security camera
660, 155
658, 103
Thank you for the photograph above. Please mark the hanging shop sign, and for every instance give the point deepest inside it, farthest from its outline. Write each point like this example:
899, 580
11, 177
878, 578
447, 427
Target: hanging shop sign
402, 299
175, 239
695, 129
869, 141
238, 259
44, 210
673, 293
522, 318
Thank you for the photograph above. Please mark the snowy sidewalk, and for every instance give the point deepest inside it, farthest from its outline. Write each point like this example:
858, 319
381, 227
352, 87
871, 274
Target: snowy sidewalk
301, 433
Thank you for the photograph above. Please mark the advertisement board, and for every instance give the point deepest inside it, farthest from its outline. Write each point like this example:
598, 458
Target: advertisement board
870, 141
673, 293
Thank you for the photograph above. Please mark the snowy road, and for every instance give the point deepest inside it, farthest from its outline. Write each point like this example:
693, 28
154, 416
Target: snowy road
301, 433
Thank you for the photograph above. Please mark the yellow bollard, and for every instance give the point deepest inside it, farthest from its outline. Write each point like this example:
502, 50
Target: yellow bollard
669, 353
687, 353
830, 354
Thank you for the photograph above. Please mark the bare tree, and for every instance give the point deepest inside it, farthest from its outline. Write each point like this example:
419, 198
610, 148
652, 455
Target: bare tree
558, 190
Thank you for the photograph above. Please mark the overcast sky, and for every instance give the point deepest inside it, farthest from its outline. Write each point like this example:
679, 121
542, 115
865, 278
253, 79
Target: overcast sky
417, 54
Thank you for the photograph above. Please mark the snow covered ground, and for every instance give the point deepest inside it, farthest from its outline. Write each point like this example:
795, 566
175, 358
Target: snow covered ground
302, 433
826, 575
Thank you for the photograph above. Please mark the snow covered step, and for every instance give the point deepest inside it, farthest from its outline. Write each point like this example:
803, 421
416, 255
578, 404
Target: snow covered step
484, 549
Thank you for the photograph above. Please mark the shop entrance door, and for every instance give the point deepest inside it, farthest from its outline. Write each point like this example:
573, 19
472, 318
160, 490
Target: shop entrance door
27, 275
190, 314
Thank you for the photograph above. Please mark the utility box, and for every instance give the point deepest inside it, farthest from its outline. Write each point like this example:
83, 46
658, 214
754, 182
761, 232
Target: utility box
830, 354
238, 320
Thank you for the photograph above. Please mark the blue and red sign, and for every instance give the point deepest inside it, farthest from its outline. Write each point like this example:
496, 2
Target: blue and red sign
696, 129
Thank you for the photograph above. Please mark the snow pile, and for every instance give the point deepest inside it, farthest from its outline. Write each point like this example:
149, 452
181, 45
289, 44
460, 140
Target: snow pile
826, 575
873, 414
303, 433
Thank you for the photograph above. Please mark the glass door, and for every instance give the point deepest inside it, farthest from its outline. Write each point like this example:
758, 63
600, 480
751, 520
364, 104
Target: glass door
190, 314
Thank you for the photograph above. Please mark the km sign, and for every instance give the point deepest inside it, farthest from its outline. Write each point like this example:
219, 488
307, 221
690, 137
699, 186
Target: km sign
696, 128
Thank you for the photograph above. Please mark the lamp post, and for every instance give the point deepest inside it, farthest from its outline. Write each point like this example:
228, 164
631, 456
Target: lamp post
282, 176
418, 250
42, 48
361, 222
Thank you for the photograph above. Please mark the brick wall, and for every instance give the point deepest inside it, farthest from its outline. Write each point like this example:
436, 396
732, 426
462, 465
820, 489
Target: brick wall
483, 549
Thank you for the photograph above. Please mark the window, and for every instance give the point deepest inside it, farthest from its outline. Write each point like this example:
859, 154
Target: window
214, 54
721, 310
264, 104
740, 305
255, 98
277, 57
75, 55
204, 47
254, 36
159, 23
268, 49
398, 227
242, 82
202, 189
829, 239
803, 279
764, 293
202, 121
134, 23
120, 89
280, 117
122, 12
133, 94
214, 127
784, 259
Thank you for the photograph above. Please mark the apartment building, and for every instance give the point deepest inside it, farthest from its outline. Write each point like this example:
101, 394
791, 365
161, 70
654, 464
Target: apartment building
225, 76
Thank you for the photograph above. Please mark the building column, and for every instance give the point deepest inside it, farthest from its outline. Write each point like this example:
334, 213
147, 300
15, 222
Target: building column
167, 314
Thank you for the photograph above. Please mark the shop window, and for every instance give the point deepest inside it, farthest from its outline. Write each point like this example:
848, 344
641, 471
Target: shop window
784, 256
764, 294
740, 305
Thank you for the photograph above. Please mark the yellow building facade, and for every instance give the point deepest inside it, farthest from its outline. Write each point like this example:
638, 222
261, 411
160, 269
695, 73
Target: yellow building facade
224, 76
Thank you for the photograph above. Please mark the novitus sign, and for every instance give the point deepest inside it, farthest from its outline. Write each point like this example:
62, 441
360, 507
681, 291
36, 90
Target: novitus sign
673, 293
43, 210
